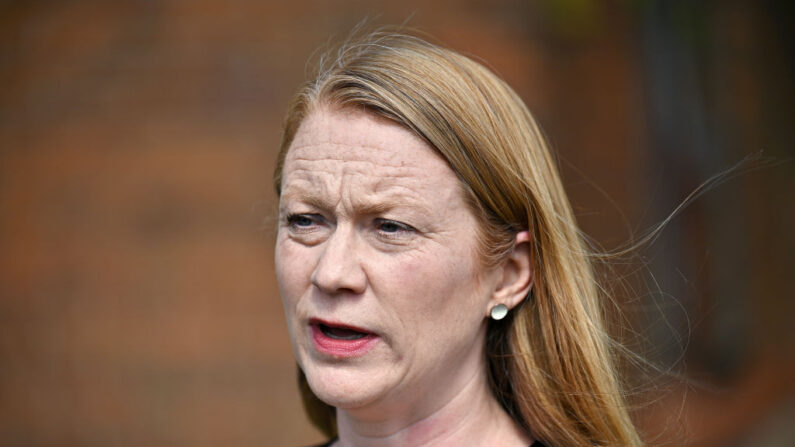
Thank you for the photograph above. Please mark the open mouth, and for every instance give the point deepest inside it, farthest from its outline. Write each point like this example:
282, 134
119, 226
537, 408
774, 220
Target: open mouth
341, 333
341, 341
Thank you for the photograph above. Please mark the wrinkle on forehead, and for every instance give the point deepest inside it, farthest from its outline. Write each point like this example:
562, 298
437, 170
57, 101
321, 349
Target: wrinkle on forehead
360, 160
300, 146
360, 134
353, 126
315, 167
350, 165
359, 189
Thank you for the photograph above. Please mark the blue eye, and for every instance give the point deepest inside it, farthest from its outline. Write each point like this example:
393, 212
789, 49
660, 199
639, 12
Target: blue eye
392, 227
300, 220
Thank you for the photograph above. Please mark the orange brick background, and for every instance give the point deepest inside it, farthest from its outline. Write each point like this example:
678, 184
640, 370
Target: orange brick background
137, 298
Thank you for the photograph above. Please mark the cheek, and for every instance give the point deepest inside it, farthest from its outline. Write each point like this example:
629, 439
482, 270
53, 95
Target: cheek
293, 271
436, 293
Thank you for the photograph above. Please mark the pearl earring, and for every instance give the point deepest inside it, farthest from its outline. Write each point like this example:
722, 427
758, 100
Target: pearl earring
499, 312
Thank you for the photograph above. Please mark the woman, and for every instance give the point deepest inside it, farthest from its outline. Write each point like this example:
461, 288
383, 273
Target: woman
435, 285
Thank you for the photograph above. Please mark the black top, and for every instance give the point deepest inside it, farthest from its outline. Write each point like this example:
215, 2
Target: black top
328, 444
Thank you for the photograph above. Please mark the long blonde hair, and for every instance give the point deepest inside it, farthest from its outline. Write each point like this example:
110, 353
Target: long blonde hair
550, 363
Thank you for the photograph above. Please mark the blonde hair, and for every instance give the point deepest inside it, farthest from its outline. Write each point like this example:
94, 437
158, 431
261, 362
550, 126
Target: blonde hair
550, 363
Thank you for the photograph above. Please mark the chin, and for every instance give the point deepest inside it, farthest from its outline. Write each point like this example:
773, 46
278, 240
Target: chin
345, 386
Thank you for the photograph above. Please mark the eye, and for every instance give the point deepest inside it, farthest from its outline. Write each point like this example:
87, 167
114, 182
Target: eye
302, 222
392, 228
306, 228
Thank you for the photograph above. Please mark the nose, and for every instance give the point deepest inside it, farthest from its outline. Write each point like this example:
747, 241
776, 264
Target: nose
339, 269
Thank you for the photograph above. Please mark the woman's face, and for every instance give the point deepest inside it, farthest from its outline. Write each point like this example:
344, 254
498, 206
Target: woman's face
376, 258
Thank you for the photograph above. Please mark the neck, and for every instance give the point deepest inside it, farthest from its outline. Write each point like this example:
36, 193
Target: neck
470, 416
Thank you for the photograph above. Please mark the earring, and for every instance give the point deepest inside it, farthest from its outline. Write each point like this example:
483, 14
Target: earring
499, 312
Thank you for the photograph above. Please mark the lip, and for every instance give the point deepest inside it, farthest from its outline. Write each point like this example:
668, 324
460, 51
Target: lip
341, 348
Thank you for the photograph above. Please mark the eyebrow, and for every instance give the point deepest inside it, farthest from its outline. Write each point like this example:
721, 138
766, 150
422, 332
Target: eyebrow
360, 206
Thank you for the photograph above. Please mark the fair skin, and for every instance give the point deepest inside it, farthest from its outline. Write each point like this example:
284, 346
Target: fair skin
385, 297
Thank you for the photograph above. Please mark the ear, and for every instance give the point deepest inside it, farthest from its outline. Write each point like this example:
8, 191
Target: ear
515, 275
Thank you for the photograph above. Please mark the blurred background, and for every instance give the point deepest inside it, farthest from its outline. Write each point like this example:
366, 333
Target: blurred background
138, 304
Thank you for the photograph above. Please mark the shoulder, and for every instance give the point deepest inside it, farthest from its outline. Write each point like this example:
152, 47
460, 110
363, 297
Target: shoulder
328, 444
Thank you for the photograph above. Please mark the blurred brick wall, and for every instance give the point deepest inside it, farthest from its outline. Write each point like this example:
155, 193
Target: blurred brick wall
137, 297
138, 302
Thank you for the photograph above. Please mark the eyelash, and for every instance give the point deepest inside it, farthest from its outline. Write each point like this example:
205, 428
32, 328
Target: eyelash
293, 219
401, 229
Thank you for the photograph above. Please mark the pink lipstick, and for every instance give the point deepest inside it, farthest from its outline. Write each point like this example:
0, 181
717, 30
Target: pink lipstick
341, 340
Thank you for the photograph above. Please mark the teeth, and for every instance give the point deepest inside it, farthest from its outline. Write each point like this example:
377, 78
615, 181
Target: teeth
341, 333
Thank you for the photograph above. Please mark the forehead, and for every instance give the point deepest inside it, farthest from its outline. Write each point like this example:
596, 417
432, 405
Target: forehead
340, 142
